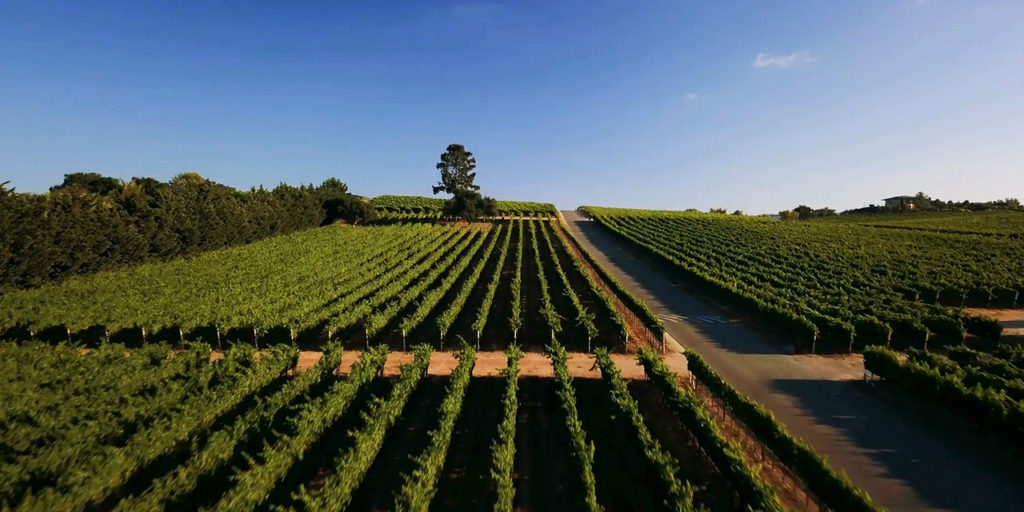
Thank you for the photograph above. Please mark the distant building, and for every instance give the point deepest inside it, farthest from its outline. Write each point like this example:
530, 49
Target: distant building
899, 203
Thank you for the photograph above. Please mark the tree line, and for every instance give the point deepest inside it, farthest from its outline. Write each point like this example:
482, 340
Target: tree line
91, 222
921, 202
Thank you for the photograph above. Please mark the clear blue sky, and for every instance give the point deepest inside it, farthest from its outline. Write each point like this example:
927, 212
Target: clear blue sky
755, 105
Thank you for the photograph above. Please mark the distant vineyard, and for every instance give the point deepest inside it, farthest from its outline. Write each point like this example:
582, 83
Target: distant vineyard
432, 205
1003, 223
398, 284
836, 286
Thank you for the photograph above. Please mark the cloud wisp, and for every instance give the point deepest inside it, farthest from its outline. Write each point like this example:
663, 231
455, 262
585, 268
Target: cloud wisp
770, 60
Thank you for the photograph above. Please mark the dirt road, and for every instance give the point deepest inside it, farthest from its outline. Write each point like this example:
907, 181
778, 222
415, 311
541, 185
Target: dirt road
888, 444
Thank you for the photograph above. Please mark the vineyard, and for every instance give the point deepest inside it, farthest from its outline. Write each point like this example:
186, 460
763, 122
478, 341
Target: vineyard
986, 389
837, 286
183, 385
158, 428
179, 385
489, 284
991, 223
417, 206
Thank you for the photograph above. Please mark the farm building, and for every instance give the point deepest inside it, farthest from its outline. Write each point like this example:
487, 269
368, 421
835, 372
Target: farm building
899, 202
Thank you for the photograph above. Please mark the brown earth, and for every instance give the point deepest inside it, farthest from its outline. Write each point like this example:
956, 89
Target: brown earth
491, 363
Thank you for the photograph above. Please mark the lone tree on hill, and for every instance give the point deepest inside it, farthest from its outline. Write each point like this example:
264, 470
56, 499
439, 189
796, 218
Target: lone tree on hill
456, 168
457, 177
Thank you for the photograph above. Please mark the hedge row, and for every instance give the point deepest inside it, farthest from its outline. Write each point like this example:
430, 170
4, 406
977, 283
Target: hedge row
829, 485
988, 408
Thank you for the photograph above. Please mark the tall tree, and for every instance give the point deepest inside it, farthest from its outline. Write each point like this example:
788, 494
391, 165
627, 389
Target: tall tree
456, 168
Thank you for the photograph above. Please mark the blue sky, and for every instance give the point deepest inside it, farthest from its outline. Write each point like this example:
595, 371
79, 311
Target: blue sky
752, 105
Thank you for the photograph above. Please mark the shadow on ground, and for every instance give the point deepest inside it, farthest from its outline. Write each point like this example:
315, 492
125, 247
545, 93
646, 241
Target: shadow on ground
948, 464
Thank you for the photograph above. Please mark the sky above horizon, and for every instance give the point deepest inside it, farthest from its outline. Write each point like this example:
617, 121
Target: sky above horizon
756, 105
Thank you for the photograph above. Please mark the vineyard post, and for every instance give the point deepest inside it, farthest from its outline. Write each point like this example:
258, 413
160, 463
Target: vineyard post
478, 340
1016, 295
143, 334
69, 333
181, 338
403, 340
218, 337
589, 349
888, 338
814, 343
256, 338
106, 335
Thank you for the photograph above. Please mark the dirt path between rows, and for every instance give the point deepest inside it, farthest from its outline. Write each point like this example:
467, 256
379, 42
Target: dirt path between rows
490, 364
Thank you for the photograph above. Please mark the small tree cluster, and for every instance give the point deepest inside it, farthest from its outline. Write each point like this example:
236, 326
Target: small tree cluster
91, 222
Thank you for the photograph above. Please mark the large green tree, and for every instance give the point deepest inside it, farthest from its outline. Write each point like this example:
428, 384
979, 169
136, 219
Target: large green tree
457, 177
456, 168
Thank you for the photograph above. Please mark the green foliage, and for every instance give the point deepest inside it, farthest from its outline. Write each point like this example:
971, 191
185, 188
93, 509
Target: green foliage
679, 492
637, 306
329, 278
448, 272
222, 444
448, 316
583, 317
515, 320
470, 205
418, 206
420, 486
492, 286
832, 487
820, 280
91, 222
253, 485
990, 363
978, 397
456, 168
503, 450
726, 455
789, 215
608, 303
582, 450
983, 326
548, 310
351, 466
85, 470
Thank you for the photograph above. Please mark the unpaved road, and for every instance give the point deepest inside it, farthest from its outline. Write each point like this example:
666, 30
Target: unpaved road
887, 443
490, 364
